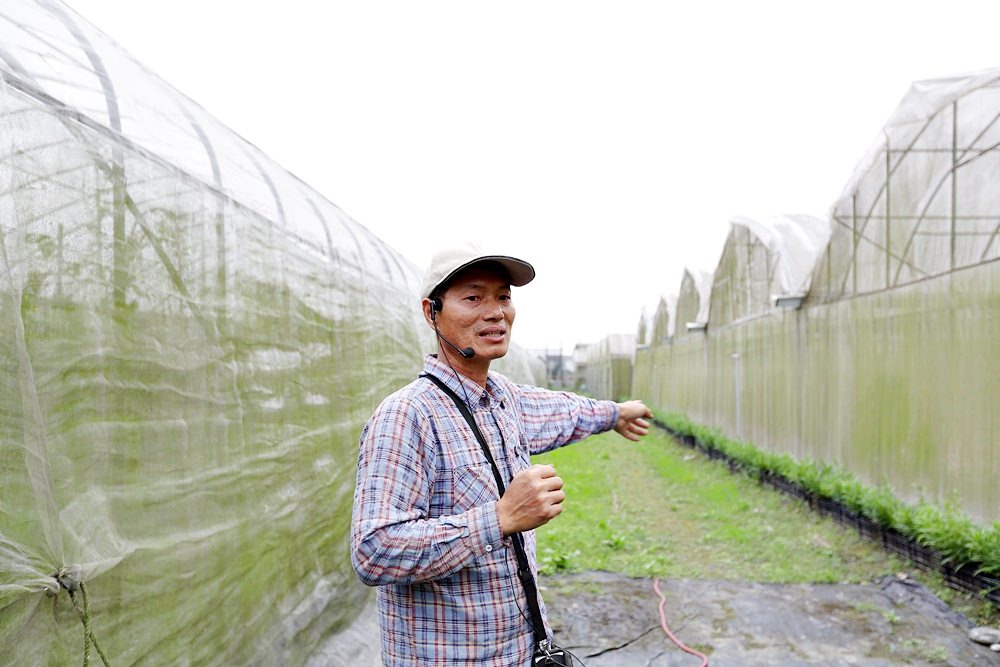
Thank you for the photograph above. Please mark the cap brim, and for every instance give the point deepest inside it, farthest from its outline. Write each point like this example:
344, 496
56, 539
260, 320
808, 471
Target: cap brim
455, 260
521, 273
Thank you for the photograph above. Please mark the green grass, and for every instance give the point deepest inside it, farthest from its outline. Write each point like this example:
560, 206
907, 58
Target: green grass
657, 508
944, 529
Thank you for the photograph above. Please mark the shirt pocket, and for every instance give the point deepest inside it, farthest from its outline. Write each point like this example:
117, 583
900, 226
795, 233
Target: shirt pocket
474, 486
522, 456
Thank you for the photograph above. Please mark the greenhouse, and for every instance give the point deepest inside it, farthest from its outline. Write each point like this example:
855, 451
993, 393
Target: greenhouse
869, 341
192, 340
664, 320
693, 302
608, 367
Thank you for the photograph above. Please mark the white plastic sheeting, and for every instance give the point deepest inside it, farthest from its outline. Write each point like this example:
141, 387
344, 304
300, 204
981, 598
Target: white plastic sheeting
923, 201
794, 243
644, 331
49, 50
764, 258
664, 319
694, 300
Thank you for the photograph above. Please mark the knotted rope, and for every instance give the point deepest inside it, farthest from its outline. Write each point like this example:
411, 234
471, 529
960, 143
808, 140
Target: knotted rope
70, 579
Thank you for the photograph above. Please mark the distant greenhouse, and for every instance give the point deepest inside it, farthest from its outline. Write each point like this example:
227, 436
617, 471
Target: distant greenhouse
608, 369
664, 320
693, 302
870, 341
764, 260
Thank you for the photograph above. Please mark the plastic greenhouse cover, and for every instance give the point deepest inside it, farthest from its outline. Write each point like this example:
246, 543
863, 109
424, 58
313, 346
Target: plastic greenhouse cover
644, 330
48, 47
797, 241
922, 101
703, 283
669, 302
617, 345
664, 315
190, 339
929, 177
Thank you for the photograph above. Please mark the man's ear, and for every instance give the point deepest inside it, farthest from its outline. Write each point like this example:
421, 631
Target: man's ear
426, 305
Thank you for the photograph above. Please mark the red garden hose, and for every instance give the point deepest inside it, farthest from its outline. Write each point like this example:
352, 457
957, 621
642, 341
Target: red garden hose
666, 628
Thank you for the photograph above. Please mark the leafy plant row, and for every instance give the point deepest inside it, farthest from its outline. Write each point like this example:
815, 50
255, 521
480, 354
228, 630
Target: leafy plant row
958, 541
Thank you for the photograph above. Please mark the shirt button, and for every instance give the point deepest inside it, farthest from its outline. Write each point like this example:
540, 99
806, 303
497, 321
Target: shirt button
489, 548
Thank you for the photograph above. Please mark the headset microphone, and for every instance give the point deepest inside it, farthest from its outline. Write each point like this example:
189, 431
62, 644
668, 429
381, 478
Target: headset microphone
467, 352
437, 305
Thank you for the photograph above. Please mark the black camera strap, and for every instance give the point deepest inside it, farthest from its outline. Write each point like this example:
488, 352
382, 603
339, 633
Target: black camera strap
523, 568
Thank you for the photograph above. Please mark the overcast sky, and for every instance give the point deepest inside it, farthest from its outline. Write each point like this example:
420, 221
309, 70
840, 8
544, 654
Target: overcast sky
608, 143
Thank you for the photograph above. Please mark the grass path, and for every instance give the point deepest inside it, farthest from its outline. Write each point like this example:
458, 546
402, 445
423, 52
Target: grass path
657, 508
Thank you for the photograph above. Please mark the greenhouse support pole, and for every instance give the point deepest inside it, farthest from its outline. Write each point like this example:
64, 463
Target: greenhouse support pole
119, 268
888, 212
954, 178
735, 356
854, 251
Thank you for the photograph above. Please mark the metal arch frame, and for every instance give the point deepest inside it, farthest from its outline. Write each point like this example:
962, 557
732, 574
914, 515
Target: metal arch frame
70, 117
958, 161
221, 276
858, 233
883, 191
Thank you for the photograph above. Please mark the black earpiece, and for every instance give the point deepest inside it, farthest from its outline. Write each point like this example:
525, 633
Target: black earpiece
436, 306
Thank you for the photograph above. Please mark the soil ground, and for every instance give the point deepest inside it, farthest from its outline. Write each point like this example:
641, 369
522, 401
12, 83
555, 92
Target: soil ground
609, 619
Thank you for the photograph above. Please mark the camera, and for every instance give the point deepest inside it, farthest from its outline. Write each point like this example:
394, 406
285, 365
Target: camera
550, 655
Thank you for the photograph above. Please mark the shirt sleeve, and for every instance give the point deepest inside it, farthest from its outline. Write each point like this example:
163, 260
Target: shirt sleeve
555, 418
392, 539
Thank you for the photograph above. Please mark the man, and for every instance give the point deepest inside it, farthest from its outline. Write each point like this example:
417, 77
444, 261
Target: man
430, 527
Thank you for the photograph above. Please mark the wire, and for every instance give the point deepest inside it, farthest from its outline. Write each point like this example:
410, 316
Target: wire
666, 628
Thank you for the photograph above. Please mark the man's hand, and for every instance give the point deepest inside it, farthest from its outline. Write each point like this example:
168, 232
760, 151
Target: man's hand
632, 416
532, 498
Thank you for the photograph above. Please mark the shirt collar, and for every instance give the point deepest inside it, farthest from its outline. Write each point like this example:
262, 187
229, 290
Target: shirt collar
462, 385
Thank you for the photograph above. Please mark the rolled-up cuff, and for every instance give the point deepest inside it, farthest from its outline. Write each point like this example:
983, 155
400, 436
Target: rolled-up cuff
484, 530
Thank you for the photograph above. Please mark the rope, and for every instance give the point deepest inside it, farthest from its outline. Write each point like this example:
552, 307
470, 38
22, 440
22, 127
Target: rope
666, 628
69, 579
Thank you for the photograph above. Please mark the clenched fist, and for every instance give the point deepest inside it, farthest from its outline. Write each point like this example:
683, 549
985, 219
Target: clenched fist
532, 498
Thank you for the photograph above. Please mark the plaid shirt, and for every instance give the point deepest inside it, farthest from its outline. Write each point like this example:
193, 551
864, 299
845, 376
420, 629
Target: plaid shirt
425, 528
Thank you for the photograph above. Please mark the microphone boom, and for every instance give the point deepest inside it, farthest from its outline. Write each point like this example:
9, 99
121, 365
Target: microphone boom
467, 353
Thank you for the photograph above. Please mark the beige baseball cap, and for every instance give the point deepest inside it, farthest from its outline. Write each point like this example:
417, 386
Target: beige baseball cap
449, 261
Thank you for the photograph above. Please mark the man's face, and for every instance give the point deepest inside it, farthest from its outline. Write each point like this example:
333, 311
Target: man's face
478, 312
